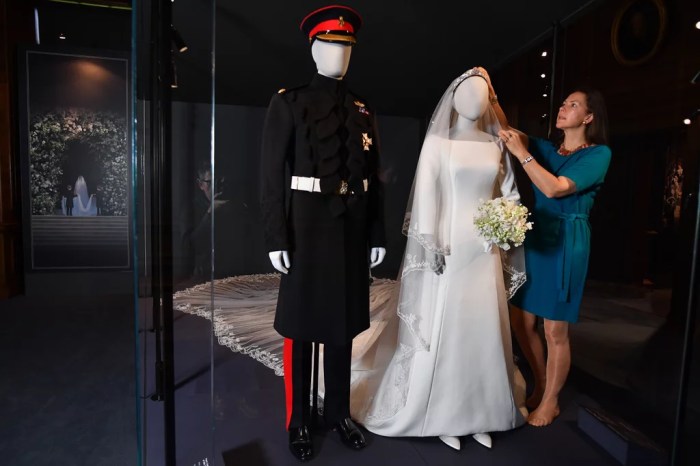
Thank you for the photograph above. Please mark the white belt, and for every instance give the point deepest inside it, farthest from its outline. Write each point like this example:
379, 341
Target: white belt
313, 185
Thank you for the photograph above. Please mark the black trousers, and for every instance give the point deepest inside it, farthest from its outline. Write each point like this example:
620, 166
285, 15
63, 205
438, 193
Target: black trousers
297, 381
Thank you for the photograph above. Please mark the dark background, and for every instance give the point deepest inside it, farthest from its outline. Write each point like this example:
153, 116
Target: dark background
59, 81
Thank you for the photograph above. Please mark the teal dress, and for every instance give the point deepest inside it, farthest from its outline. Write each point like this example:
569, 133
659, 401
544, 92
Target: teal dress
558, 246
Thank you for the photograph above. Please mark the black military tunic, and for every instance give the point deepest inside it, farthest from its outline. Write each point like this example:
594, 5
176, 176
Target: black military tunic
323, 131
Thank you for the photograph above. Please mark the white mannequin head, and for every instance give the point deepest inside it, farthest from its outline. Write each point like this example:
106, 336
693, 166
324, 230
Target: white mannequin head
471, 98
332, 60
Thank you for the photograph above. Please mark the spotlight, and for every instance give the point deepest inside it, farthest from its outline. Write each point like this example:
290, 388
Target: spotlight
544, 95
543, 76
544, 54
62, 36
688, 120
173, 75
178, 41
697, 25
544, 115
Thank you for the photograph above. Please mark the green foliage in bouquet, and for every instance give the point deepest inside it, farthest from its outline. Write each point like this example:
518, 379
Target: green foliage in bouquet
502, 222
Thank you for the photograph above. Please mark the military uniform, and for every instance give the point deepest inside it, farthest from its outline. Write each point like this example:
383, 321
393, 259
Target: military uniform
325, 132
322, 202
324, 135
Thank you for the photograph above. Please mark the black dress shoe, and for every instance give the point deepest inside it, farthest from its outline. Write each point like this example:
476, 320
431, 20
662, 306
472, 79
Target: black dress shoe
300, 443
350, 434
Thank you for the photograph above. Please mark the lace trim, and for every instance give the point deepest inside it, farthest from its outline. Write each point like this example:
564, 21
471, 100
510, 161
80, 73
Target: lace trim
395, 397
516, 279
412, 322
229, 339
223, 330
412, 263
208, 286
411, 231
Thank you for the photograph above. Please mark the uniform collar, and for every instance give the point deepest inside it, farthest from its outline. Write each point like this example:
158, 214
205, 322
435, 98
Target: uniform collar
335, 86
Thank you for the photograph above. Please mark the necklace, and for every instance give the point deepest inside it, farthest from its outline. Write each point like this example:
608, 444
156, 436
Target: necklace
564, 151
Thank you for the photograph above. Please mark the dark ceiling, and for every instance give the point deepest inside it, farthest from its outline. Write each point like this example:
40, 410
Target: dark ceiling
407, 51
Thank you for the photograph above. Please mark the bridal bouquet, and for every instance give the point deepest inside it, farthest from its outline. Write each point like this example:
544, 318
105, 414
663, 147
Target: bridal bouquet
501, 222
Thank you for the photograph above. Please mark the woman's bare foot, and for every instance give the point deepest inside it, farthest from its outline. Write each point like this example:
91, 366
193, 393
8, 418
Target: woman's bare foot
534, 400
545, 413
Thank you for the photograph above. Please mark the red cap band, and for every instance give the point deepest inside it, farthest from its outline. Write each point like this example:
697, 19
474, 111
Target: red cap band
332, 25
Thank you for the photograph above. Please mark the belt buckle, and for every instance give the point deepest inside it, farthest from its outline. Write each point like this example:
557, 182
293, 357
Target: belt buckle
343, 189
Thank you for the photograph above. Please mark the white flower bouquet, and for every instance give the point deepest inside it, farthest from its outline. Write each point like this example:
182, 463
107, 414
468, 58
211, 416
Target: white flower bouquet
502, 222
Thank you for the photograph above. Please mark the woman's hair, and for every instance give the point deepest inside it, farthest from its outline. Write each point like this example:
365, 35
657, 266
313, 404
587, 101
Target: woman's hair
597, 130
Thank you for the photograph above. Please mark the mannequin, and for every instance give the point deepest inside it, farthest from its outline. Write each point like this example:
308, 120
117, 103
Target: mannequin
471, 99
332, 60
324, 231
447, 371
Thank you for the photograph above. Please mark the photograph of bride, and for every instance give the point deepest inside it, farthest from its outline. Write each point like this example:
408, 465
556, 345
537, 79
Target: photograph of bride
76, 167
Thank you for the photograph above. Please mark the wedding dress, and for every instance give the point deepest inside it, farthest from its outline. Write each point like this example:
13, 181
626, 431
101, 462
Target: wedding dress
462, 382
450, 369
83, 204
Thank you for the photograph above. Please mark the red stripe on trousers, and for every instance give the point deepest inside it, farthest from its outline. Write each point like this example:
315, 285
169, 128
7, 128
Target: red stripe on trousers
287, 365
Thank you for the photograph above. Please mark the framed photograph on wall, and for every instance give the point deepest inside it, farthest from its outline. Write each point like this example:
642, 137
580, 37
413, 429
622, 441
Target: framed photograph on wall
638, 31
75, 138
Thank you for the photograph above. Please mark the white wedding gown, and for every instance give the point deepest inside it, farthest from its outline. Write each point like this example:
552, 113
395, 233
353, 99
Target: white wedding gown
466, 382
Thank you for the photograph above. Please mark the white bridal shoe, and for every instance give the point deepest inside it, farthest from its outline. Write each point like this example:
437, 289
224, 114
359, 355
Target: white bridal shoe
484, 439
452, 442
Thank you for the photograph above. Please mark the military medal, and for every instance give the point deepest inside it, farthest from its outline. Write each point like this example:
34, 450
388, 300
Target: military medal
366, 141
361, 107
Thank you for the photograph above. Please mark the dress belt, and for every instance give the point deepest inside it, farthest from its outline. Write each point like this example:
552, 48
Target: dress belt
313, 185
569, 231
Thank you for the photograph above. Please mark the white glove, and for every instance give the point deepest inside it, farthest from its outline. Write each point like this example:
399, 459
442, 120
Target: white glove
438, 263
280, 260
376, 257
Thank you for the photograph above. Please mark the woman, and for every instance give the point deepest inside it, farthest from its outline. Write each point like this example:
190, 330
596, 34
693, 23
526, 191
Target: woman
451, 369
565, 179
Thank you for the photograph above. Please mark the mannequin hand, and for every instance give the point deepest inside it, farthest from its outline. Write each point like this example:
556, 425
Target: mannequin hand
438, 264
376, 257
514, 142
280, 260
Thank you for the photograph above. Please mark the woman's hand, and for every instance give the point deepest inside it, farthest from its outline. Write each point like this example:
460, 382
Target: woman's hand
492, 92
515, 142
551, 185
